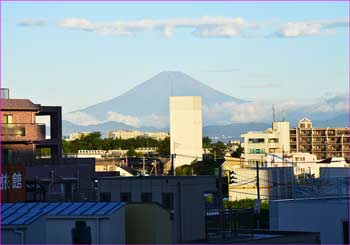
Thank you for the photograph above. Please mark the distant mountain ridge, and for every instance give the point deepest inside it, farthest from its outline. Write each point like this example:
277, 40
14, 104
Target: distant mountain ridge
150, 99
147, 106
68, 128
221, 132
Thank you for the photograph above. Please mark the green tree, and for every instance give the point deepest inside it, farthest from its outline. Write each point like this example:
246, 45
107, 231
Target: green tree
219, 149
206, 141
164, 147
238, 152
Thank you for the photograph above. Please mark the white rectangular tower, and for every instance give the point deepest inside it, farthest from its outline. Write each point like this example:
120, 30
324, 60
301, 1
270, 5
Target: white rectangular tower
185, 129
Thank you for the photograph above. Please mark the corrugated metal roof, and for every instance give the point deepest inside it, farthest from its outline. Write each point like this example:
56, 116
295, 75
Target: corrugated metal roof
25, 213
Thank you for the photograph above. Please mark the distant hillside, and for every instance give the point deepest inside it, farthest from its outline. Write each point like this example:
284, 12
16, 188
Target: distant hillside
226, 132
233, 131
338, 121
69, 128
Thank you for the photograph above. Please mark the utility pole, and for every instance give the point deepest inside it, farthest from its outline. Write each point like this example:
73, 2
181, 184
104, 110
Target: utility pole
220, 197
220, 187
143, 165
173, 155
257, 180
258, 201
172, 172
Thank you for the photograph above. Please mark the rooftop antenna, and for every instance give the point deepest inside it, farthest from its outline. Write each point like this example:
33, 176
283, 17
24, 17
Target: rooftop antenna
283, 114
171, 86
273, 113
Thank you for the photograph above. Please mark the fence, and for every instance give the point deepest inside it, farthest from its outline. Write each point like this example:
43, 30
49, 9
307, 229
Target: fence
225, 223
322, 187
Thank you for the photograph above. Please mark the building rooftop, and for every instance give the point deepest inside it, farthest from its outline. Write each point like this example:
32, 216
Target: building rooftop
18, 104
161, 177
26, 213
329, 200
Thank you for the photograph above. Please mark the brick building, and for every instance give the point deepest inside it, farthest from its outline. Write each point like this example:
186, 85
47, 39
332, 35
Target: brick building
32, 166
22, 138
323, 142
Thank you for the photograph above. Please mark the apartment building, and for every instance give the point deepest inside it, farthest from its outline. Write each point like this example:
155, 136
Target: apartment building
22, 138
32, 166
257, 145
323, 142
130, 134
77, 136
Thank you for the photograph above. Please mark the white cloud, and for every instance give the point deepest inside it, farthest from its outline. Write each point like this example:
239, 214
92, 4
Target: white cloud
152, 120
257, 111
220, 31
206, 26
168, 32
341, 106
127, 119
81, 118
310, 28
32, 22
76, 23
251, 112
156, 121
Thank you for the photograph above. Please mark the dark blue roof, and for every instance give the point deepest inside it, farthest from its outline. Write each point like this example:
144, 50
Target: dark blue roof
25, 213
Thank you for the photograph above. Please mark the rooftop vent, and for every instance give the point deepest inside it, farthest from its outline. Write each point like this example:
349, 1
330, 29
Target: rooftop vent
5, 93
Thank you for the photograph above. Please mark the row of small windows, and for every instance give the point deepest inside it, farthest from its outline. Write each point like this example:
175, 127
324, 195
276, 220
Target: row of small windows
167, 198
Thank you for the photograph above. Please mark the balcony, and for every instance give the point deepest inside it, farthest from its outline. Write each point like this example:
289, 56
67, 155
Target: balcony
22, 132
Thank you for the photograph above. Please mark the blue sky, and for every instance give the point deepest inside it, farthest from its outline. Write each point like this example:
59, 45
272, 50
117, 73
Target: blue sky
72, 54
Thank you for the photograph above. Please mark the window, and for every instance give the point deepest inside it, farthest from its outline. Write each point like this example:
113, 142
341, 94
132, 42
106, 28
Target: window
105, 196
256, 151
146, 197
256, 140
7, 119
125, 197
168, 200
6, 156
273, 140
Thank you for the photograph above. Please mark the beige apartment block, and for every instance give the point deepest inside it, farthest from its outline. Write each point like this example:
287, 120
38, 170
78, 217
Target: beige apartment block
257, 145
185, 129
130, 134
323, 142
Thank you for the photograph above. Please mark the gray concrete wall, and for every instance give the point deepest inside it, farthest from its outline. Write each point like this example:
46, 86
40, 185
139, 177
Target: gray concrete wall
36, 232
103, 231
189, 204
324, 216
8, 236
334, 172
112, 231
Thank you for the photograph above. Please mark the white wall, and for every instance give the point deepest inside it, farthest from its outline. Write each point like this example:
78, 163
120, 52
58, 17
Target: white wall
282, 128
185, 128
324, 216
273, 183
